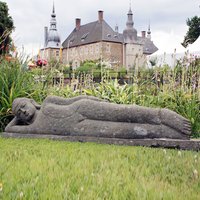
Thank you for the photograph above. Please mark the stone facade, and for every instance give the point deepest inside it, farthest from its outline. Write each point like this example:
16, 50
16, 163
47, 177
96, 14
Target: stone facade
134, 56
51, 54
108, 51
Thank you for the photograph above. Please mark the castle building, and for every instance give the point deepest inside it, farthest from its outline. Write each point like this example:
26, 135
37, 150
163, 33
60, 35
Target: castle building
98, 41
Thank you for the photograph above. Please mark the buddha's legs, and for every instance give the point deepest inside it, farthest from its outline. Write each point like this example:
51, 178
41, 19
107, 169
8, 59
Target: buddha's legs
132, 113
108, 129
118, 113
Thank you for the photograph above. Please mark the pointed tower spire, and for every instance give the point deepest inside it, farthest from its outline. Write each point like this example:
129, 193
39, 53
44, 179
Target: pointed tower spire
116, 28
53, 8
130, 23
149, 32
53, 19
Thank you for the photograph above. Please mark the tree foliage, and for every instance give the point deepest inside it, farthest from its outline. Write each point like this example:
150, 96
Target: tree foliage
193, 31
6, 27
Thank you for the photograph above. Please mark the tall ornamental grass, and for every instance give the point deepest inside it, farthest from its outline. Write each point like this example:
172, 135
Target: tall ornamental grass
15, 81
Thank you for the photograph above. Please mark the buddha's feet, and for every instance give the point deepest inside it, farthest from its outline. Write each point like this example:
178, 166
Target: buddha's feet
175, 121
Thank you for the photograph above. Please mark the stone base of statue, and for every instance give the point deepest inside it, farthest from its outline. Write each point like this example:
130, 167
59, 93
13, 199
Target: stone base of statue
190, 144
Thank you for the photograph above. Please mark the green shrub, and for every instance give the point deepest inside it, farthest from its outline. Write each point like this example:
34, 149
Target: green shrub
87, 67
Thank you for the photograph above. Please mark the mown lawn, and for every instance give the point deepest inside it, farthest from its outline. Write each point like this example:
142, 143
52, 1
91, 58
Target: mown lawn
44, 169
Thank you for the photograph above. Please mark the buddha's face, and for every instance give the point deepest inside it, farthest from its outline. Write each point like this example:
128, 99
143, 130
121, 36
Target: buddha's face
25, 111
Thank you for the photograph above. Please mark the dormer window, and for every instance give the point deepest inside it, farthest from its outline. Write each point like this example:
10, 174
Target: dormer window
115, 36
84, 36
71, 40
109, 35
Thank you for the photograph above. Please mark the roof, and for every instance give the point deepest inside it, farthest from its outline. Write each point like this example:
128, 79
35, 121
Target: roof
149, 47
53, 39
92, 32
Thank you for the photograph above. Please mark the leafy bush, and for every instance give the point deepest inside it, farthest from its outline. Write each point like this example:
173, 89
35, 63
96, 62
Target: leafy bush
87, 67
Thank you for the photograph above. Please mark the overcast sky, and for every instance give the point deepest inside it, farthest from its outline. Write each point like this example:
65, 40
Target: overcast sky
167, 19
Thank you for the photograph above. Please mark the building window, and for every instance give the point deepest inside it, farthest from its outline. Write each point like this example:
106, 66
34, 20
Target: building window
57, 53
107, 48
76, 64
91, 49
84, 36
86, 50
81, 50
73, 51
97, 48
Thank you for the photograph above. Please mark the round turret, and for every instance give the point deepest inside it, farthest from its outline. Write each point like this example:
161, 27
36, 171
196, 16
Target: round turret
53, 36
130, 35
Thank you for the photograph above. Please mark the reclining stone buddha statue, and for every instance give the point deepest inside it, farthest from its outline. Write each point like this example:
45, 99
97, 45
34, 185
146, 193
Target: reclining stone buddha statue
91, 116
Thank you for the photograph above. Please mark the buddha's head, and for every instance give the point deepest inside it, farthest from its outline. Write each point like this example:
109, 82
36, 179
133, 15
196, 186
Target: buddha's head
25, 109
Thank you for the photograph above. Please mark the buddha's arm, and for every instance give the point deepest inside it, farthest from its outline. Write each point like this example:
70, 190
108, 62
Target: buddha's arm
11, 124
67, 101
15, 128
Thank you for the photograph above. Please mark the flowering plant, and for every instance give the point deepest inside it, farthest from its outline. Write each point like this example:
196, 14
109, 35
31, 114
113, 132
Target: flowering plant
41, 62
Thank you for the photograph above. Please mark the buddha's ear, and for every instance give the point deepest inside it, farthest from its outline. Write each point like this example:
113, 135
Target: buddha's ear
38, 106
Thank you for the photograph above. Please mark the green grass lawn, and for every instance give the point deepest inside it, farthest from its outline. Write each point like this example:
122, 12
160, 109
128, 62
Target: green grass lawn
44, 169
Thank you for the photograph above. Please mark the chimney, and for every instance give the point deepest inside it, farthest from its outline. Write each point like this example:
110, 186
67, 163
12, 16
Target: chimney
100, 16
143, 34
78, 23
45, 35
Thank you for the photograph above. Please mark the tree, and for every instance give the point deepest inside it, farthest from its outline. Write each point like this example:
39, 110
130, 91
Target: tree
6, 28
193, 31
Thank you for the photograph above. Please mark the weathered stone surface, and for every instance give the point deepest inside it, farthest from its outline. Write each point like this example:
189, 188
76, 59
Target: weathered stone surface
193, 145
93, 117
